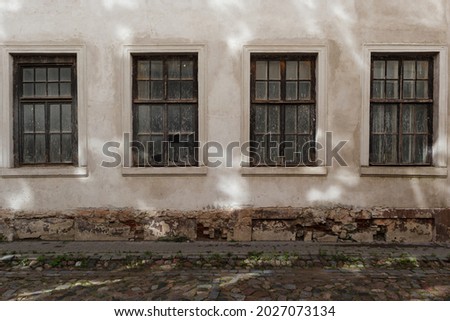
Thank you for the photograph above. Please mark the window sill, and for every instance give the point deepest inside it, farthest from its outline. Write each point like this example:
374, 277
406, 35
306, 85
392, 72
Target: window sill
59, 171
164, 171
284, 171
393, 171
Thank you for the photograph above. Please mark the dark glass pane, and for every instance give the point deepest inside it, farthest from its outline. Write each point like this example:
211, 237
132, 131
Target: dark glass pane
408, 89
157, 69
260, 118
28, 90
392, 69
291, 90
55, 120
143, 119
274, 90
377, 118
66, 117
187, 118
291, 70
28, 118
66, 150
409, 69
174, 69
261, 90
422, 69
174, 116
274, 70
407, 118
41, 74
55, 148
303, 144
156, 122
422, 89
187, 69
143, 69
157, 90
304, 90
289, 148
261, 70
407, 148
378, 69
187, 90
376, 149
421, 119
260, 149
28, 148
41, 89
304, 70
39, 117
142, 150
65, 89
174, 90
53, 74
304, 119
391, 89
390, 118
40, 148
274, 119
53, 89
290, 119
274, 145
157, 154
390, 149
66, 74
28, 74
143, 89
421, 149
377, 89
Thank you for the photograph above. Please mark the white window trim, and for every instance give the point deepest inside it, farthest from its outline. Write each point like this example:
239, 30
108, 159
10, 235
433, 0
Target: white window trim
439, 165
321, 105
7, 168
127, 121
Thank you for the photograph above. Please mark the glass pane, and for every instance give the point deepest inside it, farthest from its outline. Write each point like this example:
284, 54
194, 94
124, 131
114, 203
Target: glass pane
261, 90
260, 119
28, 148
304, 70
174, 69
187, 118
41, 89
274, 151
142, 144
28, 74
303, 143
274, 119
377, 118
421, 123
55, 120
187, 89
66, 74
53, 89
390, 118
157, 90
409, 69
28, 118
143, 69
378, 69
156, 154
391, 89
41, 74
376, 149
390, 148
28, 90
66, 117
274, 70
187, 69
289, 148
174, 90
66, 148
407, 148
421, 149
174, 120
261, 70
422, 69
407, 118
259, 145
274, 90
408, 89
157, 69
304, 119
143, 90
156, 121
422, 89
143, 119
304, 90
39, 117
392, 69
40, 148
290, 118
291, 90
291, 70
55, 148
53, 74
377, 89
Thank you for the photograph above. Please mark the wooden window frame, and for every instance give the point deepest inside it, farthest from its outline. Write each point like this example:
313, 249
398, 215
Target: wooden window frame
283, 58
35, 61
166, 101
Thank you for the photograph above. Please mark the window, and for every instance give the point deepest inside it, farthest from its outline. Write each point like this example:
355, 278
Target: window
401, 109
45, 112
283, 109
165, 110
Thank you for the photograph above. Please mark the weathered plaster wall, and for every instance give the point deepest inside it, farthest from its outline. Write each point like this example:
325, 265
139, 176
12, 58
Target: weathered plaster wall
105, 26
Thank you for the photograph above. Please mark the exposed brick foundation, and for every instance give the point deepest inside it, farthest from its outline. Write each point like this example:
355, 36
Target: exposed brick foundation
288, 224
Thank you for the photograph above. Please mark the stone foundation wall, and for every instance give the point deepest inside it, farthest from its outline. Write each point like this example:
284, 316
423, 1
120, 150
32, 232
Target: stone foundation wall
278, 224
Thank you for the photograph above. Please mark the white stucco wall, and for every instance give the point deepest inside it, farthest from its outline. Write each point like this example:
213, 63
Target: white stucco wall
224, 27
